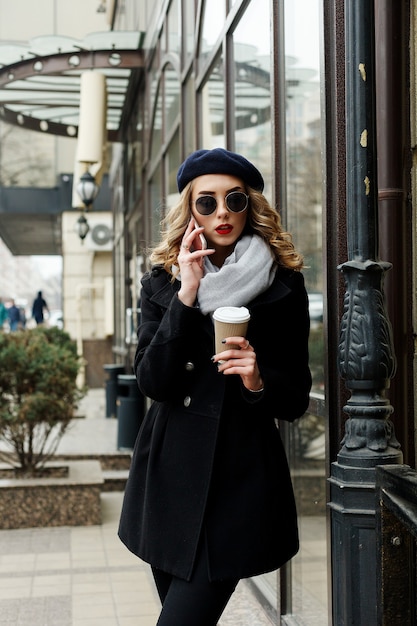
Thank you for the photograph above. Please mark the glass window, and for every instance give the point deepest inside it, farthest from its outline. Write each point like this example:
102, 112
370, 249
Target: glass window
306, 447
252, 88
119, 252
213, 109
155, 203
153, 90
214, 15
174, 31
189, 114
172, 98
189, 27
139, 155
173, 162
163, 39
156, 141
130, 169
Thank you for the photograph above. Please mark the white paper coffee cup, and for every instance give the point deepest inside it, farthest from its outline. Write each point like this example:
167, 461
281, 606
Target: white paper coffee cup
229, 321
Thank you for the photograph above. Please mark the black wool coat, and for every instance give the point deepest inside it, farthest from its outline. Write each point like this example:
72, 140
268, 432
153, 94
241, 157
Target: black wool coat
208, 462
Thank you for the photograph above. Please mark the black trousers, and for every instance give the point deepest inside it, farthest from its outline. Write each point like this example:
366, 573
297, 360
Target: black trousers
197, 602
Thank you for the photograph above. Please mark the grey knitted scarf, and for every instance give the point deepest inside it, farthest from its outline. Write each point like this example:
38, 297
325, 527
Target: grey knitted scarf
246, 273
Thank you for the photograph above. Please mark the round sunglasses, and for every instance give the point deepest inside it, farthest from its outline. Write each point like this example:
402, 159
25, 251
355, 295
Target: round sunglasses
236, 201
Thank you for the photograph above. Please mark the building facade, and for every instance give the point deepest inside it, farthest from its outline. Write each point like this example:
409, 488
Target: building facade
268, 80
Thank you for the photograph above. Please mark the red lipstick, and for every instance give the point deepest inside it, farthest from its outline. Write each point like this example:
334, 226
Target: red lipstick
224, 229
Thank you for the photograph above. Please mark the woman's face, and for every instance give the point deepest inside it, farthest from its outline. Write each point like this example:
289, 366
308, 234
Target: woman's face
223, 227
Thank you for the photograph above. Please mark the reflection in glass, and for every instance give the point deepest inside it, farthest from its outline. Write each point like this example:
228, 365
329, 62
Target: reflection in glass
309, 567
172, 98
138, 155
189, 113
155, 203
156, 141
131, 169
253, 88
188, 35
303, 132
173, 163
212, 25
119, 251
153, 91
213, 109
174, 42
306, 440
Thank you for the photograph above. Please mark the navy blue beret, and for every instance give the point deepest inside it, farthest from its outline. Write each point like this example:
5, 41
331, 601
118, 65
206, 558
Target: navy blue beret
219, 161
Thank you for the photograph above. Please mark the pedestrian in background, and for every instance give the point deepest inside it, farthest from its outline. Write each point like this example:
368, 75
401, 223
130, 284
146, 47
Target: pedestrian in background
14, 316
209, 498
22, 312
3, 313
38, 308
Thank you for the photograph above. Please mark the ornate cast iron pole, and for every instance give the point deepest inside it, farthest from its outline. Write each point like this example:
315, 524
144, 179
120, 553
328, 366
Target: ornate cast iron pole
366, 356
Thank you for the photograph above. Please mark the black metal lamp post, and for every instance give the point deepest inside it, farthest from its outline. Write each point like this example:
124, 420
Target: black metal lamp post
366, 355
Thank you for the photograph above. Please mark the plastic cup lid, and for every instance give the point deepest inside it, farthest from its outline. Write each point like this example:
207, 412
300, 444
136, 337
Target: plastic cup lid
232, 314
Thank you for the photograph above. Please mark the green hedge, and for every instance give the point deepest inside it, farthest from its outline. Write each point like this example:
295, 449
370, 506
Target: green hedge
38, 394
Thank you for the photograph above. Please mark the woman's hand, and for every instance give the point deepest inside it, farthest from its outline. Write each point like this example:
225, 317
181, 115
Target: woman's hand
190, 261
241, 361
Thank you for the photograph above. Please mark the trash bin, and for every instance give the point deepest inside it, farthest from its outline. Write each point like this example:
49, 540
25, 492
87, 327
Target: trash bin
130, 408
113, 371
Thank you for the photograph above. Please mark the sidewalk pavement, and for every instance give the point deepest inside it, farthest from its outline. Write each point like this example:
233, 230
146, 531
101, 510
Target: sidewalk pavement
84, 576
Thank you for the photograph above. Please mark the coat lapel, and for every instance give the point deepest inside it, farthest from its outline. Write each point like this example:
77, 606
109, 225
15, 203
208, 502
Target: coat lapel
164, 294
163, 297
276, 291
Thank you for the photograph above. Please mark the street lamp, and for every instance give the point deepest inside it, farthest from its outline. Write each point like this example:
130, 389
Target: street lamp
82, 227
366, 352
87, 189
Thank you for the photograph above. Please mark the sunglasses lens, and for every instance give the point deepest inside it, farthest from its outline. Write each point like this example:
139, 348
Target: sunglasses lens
236, 201
205, 205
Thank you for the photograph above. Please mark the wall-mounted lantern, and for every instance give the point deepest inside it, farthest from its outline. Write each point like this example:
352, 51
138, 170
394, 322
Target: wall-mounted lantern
87, 189
81, 227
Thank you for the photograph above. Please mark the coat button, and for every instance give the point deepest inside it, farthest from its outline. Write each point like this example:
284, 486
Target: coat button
187, 401
189, 366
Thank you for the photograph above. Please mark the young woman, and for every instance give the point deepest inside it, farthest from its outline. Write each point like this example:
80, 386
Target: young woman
209, 498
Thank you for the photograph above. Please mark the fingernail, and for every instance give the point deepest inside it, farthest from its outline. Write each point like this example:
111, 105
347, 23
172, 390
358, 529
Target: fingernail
223, 340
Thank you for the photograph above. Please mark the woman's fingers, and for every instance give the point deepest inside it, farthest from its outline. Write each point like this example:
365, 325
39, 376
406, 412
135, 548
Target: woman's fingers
191, 233
242, 343
241, 362
191, 249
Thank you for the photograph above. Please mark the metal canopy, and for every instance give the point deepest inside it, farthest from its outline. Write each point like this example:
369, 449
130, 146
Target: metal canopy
40, 91
40, 82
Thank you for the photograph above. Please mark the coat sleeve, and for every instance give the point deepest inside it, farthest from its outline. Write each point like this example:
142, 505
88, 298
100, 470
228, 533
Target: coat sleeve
281, 345
162, 341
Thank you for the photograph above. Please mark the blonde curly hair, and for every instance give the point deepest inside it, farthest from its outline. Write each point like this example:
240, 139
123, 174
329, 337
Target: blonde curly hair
262, 220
